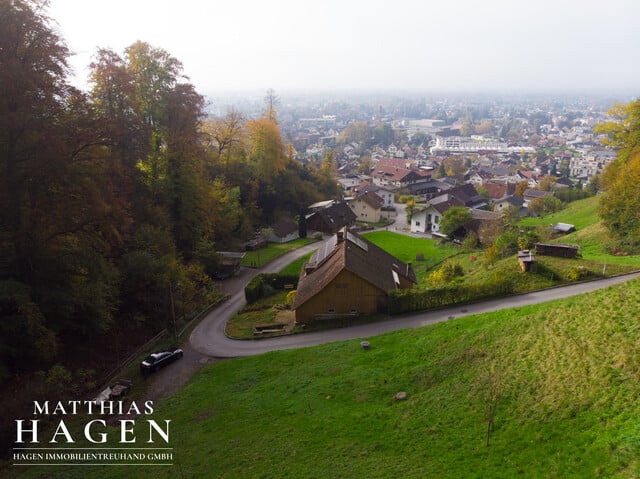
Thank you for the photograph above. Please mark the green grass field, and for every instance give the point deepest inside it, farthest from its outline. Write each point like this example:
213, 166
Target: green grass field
408, 248
541, 391
259, 258
296, 266
590, 234
581, 214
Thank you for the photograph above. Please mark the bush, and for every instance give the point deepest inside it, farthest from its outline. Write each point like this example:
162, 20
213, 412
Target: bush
577, 273
446, 273
408, 300
528, 239
266, 284
470, 242
506, 244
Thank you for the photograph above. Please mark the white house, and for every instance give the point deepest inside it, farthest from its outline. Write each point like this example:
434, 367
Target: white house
427, 219
384, 193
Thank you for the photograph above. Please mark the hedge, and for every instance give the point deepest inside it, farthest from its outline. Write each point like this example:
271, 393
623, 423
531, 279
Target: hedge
265, 284
408, 300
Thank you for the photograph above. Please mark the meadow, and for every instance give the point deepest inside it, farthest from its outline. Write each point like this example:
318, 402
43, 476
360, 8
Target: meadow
542, 391
590, 234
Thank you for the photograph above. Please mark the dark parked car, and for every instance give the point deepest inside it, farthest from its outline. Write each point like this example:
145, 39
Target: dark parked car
155, 361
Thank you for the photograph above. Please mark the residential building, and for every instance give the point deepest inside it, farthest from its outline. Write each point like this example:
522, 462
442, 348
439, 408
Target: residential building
283, 231
348, 276
330, 217
388, 197
367, 207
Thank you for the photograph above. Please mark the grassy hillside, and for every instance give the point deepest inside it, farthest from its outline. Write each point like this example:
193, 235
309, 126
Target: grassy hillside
554, 390
581, 214
590, 235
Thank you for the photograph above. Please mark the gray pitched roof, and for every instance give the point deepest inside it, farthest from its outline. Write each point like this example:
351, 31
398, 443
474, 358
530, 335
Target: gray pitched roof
354, 254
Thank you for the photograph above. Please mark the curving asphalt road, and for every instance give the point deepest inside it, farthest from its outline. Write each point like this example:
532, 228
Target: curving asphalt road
209, 338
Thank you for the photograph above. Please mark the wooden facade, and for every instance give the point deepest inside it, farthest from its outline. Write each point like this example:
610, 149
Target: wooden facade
558, 249
527, 261
346, 295
348, 276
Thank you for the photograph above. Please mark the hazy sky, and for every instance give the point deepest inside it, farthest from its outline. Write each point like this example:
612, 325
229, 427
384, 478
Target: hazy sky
519, 45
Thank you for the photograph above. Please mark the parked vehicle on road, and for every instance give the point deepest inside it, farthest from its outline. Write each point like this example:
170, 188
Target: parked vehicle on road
156, 361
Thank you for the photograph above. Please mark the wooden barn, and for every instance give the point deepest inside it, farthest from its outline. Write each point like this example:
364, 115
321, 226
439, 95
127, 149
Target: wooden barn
558, 249
348, 276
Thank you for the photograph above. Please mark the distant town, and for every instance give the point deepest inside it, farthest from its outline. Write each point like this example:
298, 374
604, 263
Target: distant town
424, 145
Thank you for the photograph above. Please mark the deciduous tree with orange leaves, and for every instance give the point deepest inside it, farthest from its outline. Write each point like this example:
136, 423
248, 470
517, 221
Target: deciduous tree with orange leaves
620, 202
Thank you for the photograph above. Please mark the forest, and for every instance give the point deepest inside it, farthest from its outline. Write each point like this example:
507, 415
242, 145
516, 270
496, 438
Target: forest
116, 200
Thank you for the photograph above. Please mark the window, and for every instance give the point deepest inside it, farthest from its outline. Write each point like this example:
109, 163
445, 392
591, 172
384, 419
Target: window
436, 219
417, 223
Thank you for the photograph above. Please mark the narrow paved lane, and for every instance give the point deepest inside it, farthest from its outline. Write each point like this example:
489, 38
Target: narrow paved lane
209, 339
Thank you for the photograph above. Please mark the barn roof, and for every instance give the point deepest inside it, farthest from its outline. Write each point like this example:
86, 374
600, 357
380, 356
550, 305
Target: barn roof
356, 255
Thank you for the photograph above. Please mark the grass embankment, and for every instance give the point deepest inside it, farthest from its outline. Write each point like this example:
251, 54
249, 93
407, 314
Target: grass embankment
296, 266
261, 312
259, 258
581, 214
553, 389
409, 248
590, 234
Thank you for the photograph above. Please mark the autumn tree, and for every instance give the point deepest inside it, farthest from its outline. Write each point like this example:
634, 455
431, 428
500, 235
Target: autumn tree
267, 152
455, 166
547, 183
536, 207
358, 131
271, 102
620, 202
58, 224
521, 187
224, 135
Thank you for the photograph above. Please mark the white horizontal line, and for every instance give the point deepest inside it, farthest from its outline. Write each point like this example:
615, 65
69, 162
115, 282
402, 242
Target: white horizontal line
83, 464
92, 448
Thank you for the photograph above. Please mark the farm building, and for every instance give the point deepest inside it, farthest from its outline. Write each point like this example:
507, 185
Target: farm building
558, 249
348, 276
562, 228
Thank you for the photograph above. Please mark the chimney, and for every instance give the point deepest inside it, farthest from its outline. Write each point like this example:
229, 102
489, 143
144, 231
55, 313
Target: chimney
340, 235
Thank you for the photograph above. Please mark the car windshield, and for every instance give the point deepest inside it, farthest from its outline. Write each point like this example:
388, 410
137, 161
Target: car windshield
150, 359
